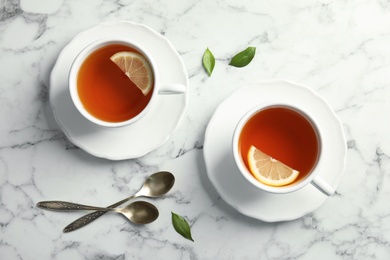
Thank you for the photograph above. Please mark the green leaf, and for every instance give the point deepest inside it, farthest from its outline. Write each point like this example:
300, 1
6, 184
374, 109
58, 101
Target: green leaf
181, 226
243, 58
208, 61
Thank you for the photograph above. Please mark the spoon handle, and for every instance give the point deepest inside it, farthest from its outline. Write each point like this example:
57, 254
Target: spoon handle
62, 206
68, 206
86, 219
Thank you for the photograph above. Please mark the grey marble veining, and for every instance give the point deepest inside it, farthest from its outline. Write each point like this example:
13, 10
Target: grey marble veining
338, 48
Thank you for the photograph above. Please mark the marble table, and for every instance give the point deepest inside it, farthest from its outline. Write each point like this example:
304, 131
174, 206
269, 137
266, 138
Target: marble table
340, 49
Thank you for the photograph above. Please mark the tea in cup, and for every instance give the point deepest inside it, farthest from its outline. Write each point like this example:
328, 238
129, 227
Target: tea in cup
115, 82
277, 148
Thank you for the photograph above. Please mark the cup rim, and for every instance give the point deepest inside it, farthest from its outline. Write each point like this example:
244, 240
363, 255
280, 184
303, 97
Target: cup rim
78, 61
245, 171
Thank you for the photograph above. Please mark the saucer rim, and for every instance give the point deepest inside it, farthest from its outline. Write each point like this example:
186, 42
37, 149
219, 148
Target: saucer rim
252, 213
132, 155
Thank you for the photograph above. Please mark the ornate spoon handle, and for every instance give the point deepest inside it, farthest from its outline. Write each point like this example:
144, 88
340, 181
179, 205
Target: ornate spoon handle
86, 219
63, 206
69, 206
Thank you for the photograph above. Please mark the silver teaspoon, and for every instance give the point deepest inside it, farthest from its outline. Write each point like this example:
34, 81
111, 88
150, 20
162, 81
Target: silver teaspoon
155, 185
138, 212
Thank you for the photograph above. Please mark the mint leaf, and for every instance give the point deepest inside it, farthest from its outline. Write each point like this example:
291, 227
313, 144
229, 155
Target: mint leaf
208, 61
243, 58
181, 226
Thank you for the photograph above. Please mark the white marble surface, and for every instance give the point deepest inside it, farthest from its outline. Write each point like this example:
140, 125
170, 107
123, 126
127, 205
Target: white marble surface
341, 49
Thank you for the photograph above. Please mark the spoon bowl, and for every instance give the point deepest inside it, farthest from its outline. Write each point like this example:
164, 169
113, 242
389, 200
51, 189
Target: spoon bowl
157, 185
140, 212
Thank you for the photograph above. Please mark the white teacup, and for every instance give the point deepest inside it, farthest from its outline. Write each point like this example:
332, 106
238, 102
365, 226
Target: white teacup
158, 88
311, 178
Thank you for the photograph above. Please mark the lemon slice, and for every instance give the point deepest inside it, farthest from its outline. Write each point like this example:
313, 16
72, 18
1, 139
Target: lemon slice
136, 68
269, 170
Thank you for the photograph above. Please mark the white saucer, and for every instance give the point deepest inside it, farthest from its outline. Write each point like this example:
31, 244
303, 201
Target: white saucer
134, 140
234, 188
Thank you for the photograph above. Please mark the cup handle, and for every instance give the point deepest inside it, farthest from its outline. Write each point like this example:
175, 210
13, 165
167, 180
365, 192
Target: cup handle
171, 89
322, 186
